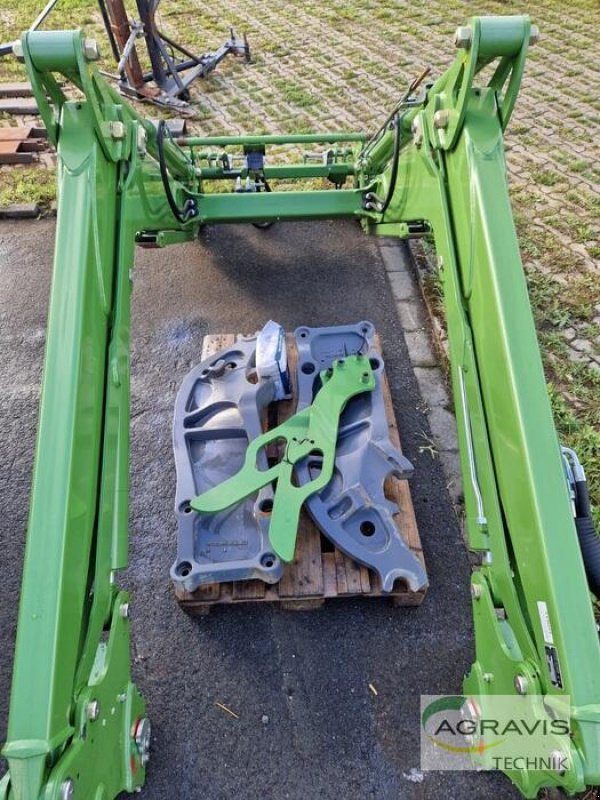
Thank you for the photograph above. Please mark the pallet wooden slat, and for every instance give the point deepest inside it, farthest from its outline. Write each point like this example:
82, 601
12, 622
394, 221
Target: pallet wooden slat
317, 572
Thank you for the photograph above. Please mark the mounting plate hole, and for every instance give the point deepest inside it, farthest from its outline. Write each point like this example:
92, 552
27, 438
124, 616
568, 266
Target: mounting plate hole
266, 506
183, 569
268, 560
308, 368
374, 362
367, 528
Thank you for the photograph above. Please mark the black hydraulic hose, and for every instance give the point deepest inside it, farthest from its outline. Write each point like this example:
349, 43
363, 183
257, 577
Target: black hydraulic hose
395, 160
589, 541
189, 209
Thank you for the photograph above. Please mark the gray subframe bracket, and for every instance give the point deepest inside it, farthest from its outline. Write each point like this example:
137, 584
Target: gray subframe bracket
217, 412
353, 511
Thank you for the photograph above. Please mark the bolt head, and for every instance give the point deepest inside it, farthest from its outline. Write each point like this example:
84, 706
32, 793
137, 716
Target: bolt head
559, 762
141, 140
476, 591
117, 129
488, 677
521, 684
124, 610
417, 131
441, 118
93, 710
463, 37
534, 34
91, 51
67, 789
17, 49
141, 736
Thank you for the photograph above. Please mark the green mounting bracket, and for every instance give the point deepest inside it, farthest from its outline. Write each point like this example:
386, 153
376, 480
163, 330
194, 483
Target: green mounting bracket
310, 433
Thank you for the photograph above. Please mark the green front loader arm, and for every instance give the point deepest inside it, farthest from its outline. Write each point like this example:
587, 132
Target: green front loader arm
77, 726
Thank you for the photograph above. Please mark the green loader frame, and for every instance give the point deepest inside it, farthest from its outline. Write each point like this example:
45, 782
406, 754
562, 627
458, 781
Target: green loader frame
78, 726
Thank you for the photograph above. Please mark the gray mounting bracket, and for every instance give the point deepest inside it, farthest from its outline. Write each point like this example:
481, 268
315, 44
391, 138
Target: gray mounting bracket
217, 412
353, 511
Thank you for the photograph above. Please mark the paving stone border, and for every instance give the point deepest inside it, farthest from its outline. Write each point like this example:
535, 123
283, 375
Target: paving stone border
425, 357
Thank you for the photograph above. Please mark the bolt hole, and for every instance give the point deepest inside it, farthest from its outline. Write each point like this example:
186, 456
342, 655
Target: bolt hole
308, 368
365, 374
374, 362
364, 329
184, 569
367, 528
186, 507
232, 365
266, 505
268, 560
303, 335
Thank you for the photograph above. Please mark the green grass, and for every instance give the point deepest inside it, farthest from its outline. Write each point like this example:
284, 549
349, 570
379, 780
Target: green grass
28, 185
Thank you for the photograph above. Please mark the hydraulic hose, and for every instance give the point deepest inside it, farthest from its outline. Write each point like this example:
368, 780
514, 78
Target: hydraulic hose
189, 209
589, 541
395, 160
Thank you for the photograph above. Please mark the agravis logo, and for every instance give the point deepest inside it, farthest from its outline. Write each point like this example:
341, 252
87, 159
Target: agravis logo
437, 726
458, 732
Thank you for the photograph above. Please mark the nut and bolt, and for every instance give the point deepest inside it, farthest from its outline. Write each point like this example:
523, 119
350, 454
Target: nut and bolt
117, 129
141, 141
534, 34
91, 51
476, 591
441, 118
417, 131
558, 761
141, 736
67, 788
92, 710
463, 37
521, 684
124, 610
17, 49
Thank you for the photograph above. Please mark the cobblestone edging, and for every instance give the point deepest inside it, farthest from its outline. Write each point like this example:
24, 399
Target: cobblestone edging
407, 292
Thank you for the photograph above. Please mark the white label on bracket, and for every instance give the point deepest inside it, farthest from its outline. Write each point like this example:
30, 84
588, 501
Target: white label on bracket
545, 621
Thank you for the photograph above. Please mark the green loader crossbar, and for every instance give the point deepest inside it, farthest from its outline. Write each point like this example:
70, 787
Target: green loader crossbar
77, 726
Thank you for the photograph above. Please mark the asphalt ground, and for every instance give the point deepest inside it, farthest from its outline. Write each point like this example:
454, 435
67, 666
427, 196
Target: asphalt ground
309, 727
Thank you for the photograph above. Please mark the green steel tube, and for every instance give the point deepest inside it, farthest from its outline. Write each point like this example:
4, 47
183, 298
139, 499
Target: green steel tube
264, 206
281, 171
290, 138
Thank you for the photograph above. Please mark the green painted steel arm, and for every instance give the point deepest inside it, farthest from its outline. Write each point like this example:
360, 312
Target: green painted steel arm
76, 719
534, 623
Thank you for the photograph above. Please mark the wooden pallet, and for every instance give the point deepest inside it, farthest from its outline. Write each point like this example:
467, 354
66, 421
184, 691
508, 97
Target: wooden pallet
319, 571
